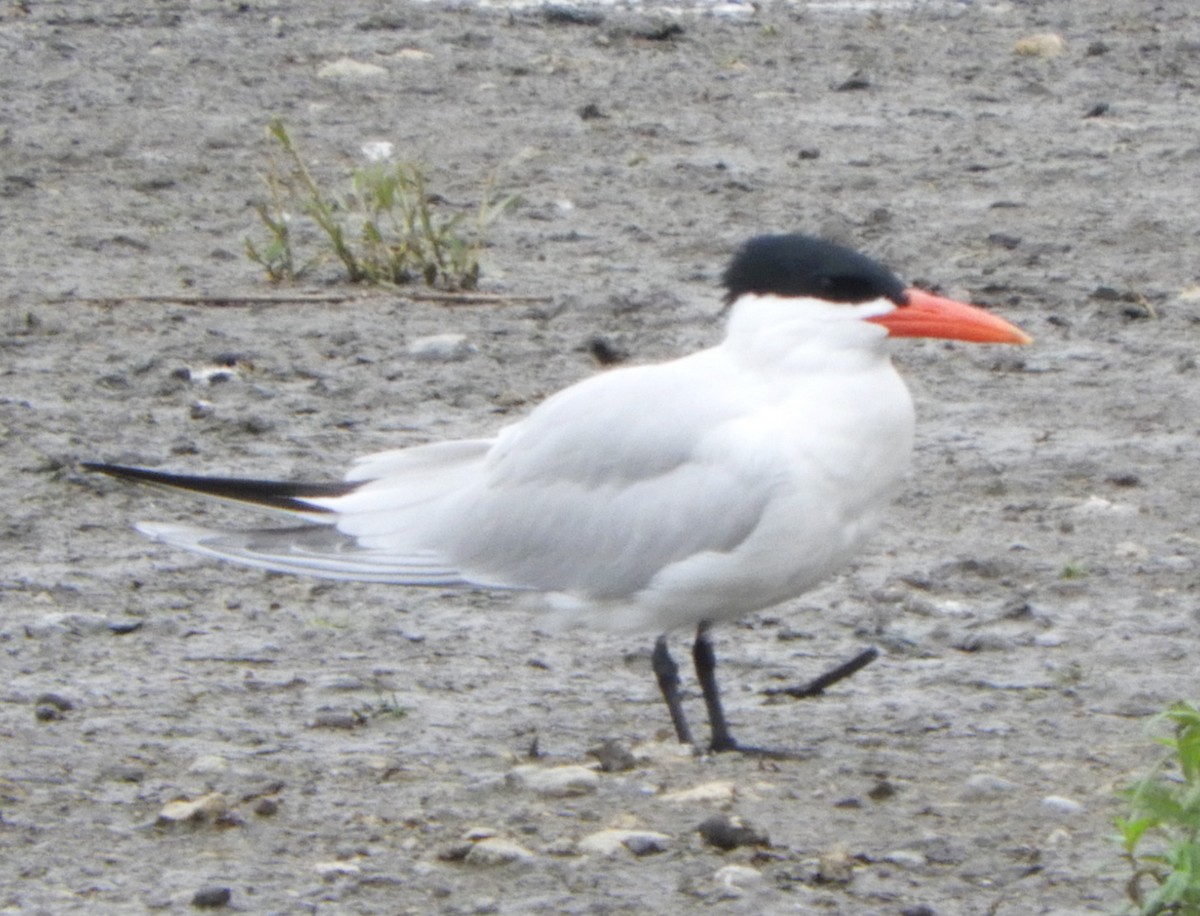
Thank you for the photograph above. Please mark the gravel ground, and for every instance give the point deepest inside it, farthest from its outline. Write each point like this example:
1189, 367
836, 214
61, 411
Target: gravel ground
180, 734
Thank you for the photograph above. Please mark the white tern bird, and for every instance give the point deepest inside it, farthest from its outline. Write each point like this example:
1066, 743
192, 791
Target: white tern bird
650, 497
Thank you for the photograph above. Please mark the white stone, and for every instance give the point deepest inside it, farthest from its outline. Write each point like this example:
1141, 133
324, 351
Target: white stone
183, 810
557, 782
717, 792
333, 869
616, 842
497, 851
378, 151
906, 858
209, 764
737, 876
1061, 805
447, 348
983, 786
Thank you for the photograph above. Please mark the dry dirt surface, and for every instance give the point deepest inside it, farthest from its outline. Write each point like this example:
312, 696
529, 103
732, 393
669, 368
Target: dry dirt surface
175, 733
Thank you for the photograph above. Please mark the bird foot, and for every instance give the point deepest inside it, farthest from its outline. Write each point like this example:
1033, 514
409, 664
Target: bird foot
766, 753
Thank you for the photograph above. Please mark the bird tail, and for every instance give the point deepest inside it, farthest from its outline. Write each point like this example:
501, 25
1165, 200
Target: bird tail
316, 549
280, 496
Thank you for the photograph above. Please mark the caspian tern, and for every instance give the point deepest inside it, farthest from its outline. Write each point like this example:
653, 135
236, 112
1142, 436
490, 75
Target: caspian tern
650, 497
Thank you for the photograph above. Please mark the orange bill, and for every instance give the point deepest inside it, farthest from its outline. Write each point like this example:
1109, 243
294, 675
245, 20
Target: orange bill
927, 315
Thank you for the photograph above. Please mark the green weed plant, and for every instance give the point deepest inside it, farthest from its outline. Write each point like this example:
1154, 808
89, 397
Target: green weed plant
1161, 836
386, 230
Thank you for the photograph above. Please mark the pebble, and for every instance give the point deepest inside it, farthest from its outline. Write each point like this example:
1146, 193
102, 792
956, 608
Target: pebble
497, 851
906, 858
335, 719
1043, 44
330, 870
983, 786
737, 876
208, 764
59, 702
718, 792
378, 150
835, 866
444, 348
1062, 805
346, 68
205, 808
556, 782
614, 756
211, 897
1131, 550
614, 842
726, 832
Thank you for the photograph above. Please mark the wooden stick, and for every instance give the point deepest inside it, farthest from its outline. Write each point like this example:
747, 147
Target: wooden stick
234, 300
816, 686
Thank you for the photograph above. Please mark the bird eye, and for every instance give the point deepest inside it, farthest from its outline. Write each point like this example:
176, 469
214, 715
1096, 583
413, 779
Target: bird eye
850, 289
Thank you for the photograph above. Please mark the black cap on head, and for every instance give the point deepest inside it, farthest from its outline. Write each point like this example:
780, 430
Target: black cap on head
800, 265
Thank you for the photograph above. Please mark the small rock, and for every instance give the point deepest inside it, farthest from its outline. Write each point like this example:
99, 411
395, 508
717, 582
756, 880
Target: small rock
47, 714
835, 866
737, 876
605, 350
1061, 805
208, 764
881, 791
614, 842
726, 832
556, 782
446, 348
266, 807
984, 642
330, 870
378, 150
334, 719
1044, 44
614, 756
212, 897
59, 702
984, 786
205, 808
856, 83
346, 68
718, 792
1131, 550
566, 14
497, 851
906, 858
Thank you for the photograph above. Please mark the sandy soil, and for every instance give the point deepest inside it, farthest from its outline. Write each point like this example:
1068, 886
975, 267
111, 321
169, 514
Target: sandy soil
360, 749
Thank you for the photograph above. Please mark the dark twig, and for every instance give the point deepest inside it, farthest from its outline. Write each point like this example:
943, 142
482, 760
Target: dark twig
234, 300
817, 686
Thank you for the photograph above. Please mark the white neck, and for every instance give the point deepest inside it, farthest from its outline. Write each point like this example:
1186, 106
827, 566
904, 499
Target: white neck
806, 334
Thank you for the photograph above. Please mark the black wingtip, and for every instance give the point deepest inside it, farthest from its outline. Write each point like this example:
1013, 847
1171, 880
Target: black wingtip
288, 496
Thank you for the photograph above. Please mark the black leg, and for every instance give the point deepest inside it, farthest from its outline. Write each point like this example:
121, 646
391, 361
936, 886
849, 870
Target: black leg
705, 660
706, 671
667, 673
